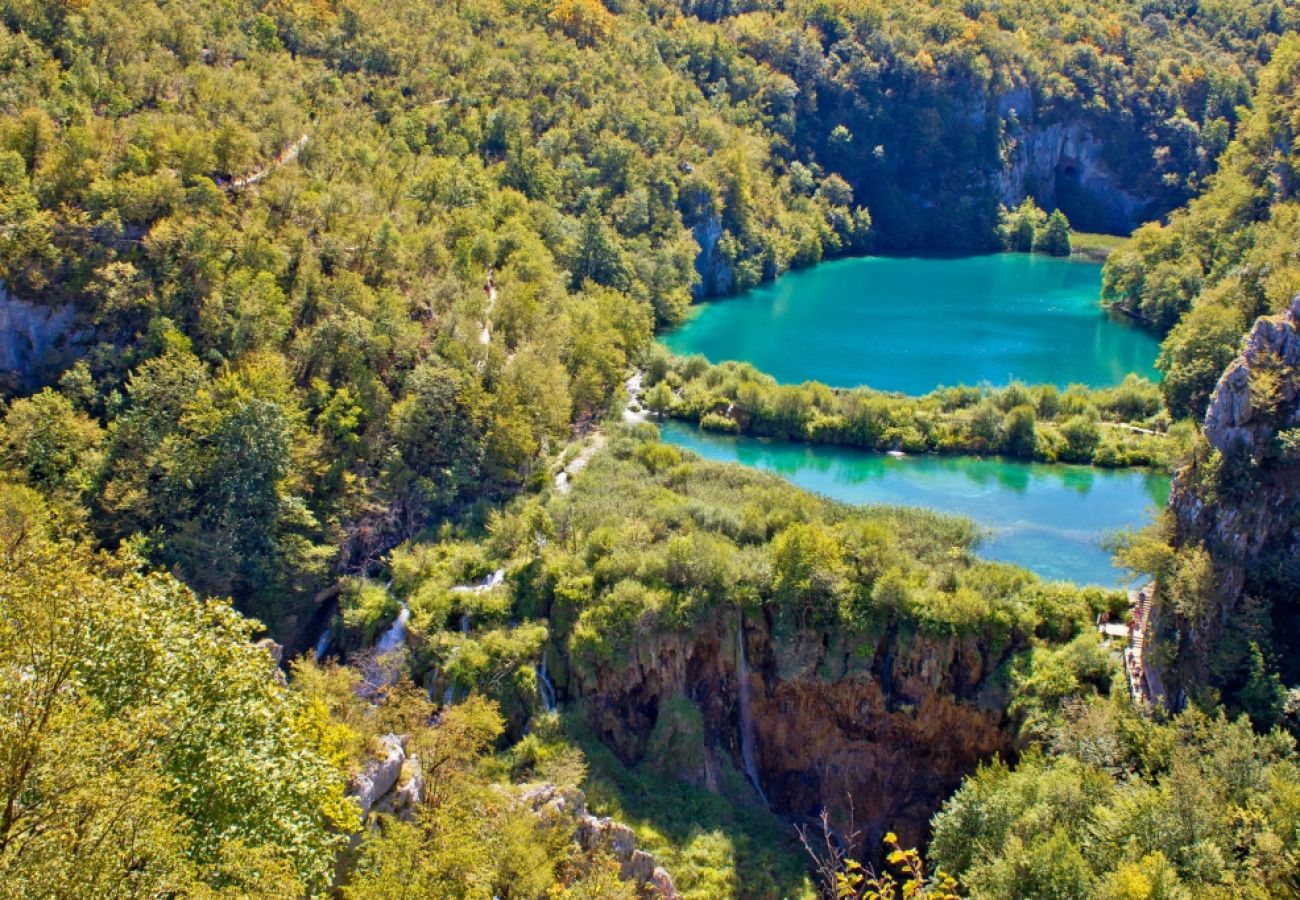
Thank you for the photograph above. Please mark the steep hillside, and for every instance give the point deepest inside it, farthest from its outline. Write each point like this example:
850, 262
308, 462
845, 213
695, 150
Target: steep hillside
1230, 256
937, 112
730, 631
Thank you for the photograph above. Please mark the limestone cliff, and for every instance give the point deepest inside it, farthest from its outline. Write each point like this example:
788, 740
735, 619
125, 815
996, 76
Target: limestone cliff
716, 275
1239, 498
876, 730
1101, 176
35, 341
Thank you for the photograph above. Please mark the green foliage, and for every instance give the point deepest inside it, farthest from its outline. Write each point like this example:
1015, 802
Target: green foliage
1125, 806
1027, 228
1120, 426
922, 110
1228, 257
1054, 238
354, 268
147, 742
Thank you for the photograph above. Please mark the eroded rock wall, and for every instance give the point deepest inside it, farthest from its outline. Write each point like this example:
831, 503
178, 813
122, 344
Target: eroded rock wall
34, 340
876, 730
1239, 499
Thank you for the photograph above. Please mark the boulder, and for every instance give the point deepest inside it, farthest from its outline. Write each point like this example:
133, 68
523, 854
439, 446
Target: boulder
379, 775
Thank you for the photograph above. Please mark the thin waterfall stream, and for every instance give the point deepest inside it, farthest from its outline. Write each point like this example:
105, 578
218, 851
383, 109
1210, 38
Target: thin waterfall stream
545, 687
746, 715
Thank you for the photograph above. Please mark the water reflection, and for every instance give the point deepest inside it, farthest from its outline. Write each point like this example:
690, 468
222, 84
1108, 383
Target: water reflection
1048, 518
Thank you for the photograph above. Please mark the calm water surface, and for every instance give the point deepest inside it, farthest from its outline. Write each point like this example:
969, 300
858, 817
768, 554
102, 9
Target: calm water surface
913, 324
1048, 518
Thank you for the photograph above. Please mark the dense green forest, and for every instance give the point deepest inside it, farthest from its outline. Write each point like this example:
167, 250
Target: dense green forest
320, 314
1227, 258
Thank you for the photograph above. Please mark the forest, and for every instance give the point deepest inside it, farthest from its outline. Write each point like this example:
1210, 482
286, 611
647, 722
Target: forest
318, 316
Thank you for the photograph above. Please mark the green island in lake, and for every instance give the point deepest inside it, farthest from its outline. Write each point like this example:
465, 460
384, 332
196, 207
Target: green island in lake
913, 324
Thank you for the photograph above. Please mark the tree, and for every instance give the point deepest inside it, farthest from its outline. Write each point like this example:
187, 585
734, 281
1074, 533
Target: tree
808, 570
659, 399
1262, 697
1019, 436
437, 431
586, 21
55, 447
147, 744
1054, 238
1081, 437
598, 257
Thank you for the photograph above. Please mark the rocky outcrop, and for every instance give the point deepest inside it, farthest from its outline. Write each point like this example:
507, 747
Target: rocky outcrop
1239, 498
593, 833
1061, 165
1235, 421
379, 775
716, 275
878, 731
34, 340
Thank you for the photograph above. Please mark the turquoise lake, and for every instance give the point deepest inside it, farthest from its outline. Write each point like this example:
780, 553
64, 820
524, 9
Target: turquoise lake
1050, 519
913, 324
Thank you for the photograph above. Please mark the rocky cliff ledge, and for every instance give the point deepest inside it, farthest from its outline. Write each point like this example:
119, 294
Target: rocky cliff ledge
878, 732
1239, 498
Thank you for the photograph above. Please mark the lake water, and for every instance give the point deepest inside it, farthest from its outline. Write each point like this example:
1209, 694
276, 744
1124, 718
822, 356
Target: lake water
1048, 518
913, 324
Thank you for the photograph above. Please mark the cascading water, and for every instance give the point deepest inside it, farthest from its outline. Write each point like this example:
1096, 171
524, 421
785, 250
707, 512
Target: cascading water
496, 579
544, 686
395, 636
323, 645
746, 716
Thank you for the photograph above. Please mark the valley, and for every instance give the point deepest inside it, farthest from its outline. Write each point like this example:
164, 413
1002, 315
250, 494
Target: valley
650, 449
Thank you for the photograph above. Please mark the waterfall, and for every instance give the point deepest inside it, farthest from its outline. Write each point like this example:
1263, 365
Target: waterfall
323, 645
395, 636
746, 715
488, 583
544, 686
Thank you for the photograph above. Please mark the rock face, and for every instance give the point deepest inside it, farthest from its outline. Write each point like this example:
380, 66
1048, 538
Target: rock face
34, 340
879, 732
1061, 165
592, 833
380, 775
1095, 169
716, 276
1239, 498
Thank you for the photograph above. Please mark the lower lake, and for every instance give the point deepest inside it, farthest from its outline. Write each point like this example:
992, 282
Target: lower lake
1050, 519
913, 324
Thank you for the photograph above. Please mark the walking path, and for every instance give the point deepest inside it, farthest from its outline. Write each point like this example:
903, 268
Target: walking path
632, 414
285, 156
1143, 680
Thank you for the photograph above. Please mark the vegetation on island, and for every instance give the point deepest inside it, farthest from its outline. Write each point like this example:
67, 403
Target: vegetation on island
1122, 426
1027, 229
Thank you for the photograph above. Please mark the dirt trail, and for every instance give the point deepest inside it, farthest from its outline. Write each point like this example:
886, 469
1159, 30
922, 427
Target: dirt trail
285, 156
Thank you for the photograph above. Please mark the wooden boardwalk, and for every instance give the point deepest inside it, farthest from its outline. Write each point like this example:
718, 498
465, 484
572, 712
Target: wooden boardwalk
1144, 682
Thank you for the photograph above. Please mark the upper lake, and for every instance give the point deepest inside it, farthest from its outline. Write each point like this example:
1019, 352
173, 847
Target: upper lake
913, 324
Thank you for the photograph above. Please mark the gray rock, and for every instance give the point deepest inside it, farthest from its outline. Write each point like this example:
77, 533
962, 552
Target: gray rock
407, 794
33, 338
592, 833
379, 775
716, 276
